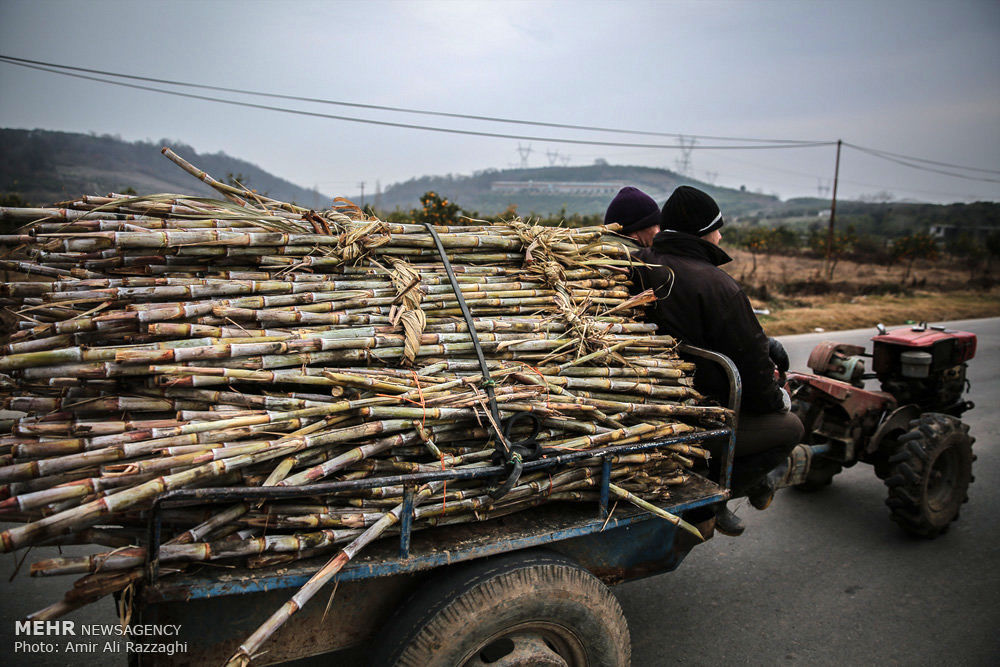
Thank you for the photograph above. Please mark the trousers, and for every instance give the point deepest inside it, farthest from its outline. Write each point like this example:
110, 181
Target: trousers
757, 433
763, 441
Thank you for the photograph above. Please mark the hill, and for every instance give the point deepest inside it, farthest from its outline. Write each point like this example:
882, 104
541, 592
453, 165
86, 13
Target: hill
43, 167
564, 191
549, 190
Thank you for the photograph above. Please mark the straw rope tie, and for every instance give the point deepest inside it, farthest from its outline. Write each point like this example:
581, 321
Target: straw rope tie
406, 280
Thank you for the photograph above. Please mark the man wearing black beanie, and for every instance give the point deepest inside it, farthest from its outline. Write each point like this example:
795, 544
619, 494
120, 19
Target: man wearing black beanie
702, 305
638, 215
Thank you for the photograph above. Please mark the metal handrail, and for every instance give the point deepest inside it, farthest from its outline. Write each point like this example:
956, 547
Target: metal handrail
735, 400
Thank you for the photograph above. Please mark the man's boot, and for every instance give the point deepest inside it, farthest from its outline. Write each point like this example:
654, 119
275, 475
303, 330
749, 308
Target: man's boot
727, 523
762, 495
753, 478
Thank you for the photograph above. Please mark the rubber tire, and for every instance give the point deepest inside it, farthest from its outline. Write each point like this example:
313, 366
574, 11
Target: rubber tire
930, 474
453, 615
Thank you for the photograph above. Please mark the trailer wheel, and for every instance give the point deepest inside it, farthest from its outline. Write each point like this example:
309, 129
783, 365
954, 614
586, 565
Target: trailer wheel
929, 474
538, 608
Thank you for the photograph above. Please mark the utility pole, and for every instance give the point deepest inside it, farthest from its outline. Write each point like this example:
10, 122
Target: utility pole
833, 215
315, 196
552, 156
362, 184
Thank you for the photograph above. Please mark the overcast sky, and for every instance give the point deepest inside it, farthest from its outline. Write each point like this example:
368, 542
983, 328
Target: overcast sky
916, 78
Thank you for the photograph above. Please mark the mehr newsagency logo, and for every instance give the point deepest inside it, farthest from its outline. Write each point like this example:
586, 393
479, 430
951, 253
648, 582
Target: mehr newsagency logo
69, 637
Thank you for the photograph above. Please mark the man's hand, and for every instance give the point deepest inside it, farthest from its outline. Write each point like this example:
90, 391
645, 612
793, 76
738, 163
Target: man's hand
786, 401
776, 351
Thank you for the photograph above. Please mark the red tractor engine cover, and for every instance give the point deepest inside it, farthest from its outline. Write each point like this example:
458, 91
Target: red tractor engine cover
948, 348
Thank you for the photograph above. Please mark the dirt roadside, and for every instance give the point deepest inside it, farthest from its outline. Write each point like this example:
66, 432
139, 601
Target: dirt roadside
837, 312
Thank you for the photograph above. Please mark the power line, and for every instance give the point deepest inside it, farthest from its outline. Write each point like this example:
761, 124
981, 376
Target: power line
357, 105
684, 144
409, 126
911, 165
802, 175
925, 160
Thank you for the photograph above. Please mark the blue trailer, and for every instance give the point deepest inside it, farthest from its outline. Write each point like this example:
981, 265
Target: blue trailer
529, 588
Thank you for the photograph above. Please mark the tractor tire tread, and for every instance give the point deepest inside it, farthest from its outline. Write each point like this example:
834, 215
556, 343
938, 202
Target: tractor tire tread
894, 481
912, 470
908, 472
916, 450
899, 456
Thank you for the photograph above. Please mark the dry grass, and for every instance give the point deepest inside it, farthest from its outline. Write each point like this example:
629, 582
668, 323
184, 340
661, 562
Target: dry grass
776, 270
860, 295
834, 313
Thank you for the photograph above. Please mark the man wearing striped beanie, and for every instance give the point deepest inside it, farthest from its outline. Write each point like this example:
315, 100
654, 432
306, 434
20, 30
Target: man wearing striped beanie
700, 304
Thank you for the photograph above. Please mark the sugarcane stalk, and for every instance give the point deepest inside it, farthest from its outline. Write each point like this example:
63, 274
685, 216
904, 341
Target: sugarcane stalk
658, 511
122, 559
154, 303
249, 647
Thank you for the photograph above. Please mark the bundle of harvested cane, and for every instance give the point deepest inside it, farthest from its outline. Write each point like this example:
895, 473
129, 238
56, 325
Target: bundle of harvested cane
168, 342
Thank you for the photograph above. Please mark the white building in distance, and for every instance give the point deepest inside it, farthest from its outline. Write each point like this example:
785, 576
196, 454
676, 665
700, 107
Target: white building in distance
593, 188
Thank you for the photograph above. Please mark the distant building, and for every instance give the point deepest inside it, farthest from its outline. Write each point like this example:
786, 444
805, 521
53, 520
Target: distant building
581, 188
950, 232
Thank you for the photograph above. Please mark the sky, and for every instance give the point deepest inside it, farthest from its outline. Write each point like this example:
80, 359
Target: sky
913, 78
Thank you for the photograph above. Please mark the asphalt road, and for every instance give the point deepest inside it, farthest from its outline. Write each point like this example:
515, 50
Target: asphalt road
827, 579
817, 579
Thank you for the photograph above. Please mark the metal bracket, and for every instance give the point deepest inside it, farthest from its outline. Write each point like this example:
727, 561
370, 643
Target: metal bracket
513, 461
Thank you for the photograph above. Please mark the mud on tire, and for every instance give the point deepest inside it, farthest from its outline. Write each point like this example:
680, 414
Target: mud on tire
929, 474
532, 608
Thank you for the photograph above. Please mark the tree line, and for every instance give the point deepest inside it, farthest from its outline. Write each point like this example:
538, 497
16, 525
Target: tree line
977, 252
903, 249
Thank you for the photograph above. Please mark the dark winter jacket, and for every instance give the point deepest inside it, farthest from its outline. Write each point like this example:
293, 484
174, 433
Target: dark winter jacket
700, 304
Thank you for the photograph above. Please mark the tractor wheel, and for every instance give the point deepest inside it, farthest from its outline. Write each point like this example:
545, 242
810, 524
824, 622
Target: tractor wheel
538, 608
929, 474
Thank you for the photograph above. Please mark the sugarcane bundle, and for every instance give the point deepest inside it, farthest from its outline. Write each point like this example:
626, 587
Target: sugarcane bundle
165, 342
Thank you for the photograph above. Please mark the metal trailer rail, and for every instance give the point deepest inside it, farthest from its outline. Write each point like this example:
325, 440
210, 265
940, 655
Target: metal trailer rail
614, 544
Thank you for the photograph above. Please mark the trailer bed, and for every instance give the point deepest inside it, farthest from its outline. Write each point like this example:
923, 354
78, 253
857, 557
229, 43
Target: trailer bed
218, 607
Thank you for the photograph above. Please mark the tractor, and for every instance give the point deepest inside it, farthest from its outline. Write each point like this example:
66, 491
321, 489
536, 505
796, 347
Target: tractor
910, 430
